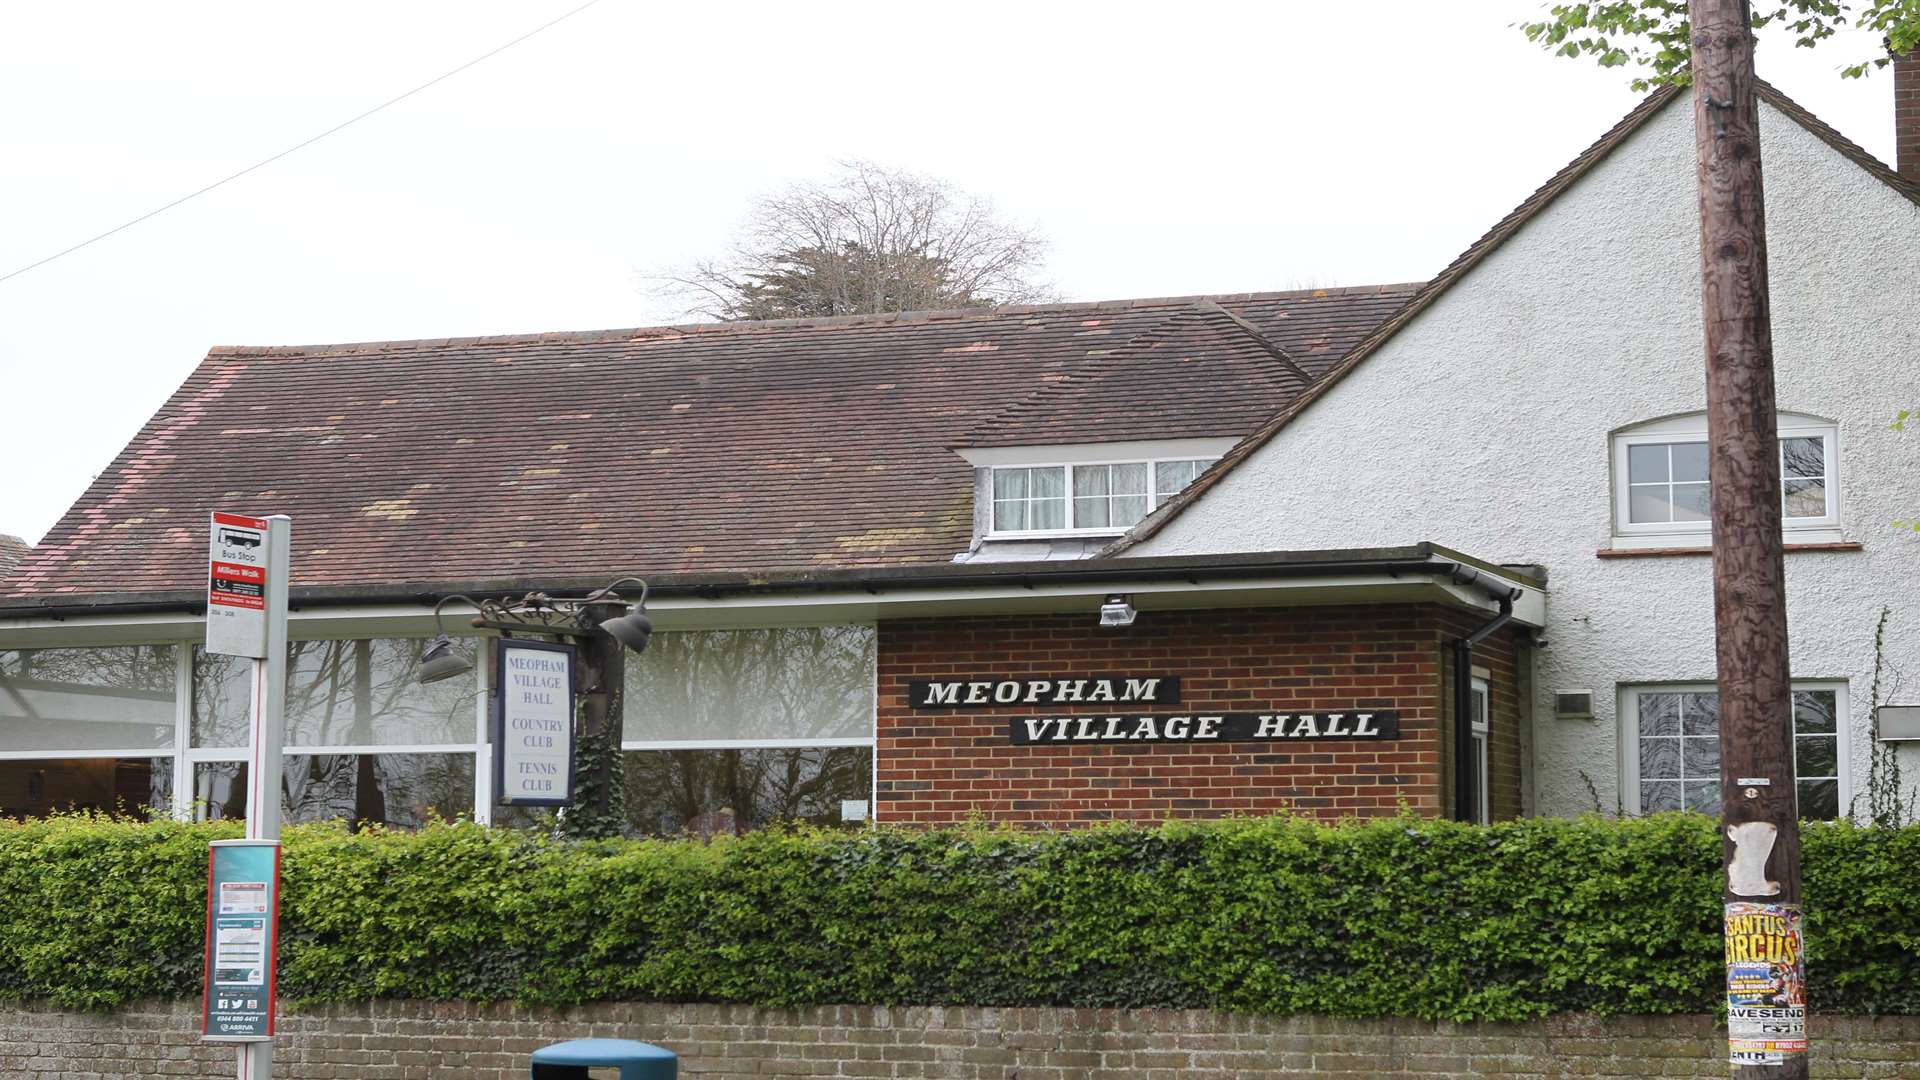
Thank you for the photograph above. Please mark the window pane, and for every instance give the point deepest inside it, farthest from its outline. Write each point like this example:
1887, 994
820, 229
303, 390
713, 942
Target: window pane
1047, 483
1813, 711
1690, 462
1659, 714
1647, 464
705, 792
1169, 477
1128, 509
1091, 479
789, 683
1692, 502
1660, 759
1009, 516
220, 791
1010, 483
1701, 796
1803, 457
1129, 479
1091, 513
1659, 796
87, 699
365, 692
1819, 799
1048, 514
1816, 756
137, 786
1700, 713
1700, 758
1645, 504
400, 791
1806, 498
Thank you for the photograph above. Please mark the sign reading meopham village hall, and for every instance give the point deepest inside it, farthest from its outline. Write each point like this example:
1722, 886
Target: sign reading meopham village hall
1205, 728
533, 723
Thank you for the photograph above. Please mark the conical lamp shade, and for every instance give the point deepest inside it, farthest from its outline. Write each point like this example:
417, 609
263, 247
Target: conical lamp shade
441, 662
632, 629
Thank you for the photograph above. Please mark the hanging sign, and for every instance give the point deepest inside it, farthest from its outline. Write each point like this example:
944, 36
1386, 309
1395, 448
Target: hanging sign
237, 574
1069, 690
1766, 983
1207, 728
243, 919
533, 723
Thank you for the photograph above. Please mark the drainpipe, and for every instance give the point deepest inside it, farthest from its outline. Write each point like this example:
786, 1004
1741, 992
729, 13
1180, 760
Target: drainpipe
1466, 790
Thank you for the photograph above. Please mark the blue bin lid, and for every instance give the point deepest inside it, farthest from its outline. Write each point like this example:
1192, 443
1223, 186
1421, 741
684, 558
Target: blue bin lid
602, 1052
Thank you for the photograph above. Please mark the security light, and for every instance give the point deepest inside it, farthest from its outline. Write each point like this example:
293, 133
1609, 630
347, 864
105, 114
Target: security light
1117, 610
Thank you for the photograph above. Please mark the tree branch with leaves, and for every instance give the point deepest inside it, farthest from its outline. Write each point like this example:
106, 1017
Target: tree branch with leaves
1655, 35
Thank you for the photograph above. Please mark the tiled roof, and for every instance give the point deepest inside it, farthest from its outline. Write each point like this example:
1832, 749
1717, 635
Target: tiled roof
1470, 258
732, 447
1201, 369
12, 551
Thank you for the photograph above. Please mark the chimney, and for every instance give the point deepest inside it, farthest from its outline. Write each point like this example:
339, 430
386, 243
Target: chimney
1906, 115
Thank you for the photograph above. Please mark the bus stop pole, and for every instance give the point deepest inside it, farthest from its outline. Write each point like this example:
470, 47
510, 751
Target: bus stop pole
268, 726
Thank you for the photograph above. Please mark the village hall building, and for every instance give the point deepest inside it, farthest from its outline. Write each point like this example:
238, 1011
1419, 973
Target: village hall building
1437, 546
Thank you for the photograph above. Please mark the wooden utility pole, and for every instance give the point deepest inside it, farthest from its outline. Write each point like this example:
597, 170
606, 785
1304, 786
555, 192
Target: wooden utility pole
1760, 841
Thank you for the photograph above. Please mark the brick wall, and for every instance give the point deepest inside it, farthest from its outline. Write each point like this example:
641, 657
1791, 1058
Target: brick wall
403, 1040
938, 766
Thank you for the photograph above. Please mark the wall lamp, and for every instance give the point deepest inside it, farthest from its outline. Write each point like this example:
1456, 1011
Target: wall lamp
1117, 610
538, 614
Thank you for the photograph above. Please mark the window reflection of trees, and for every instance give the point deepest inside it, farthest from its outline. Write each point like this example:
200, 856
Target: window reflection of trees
395, 790
791, 683
87, 699
719, 791
339, 693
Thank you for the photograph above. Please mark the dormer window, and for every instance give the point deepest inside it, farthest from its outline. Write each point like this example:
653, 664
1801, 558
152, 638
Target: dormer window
1081, 489
1102, 496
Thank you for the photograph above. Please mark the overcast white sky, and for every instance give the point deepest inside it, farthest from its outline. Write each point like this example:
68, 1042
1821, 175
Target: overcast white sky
1164, 148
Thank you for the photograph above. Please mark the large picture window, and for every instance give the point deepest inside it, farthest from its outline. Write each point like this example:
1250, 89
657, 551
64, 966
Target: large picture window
727, 730
1674, 761
87, 729
365, 741
1662, 495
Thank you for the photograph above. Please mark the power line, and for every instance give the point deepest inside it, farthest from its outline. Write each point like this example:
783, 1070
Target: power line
301, 145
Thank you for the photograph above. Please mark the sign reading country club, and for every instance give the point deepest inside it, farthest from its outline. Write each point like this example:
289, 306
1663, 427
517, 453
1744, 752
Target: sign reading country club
533, 723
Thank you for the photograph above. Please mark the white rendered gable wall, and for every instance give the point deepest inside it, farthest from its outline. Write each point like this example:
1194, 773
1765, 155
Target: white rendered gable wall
1484, 426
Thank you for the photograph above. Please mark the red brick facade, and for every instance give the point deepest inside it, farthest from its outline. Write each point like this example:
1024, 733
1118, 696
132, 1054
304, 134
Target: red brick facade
947, 765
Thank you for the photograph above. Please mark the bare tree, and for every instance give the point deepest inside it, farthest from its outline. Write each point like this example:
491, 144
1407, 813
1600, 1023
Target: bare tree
871, 240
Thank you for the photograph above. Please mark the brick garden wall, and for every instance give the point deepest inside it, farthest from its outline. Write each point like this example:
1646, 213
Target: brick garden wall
439, 1041
941, 766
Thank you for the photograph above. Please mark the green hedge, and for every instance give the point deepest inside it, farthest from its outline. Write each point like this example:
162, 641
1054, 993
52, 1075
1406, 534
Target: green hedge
1391, 918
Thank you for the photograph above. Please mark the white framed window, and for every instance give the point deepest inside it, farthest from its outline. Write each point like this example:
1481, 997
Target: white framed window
1673, 748
1482, 766
88, 729
1662, 496
1085, 496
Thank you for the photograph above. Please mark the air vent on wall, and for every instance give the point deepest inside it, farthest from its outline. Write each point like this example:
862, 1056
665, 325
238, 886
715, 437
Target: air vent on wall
1573, 704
